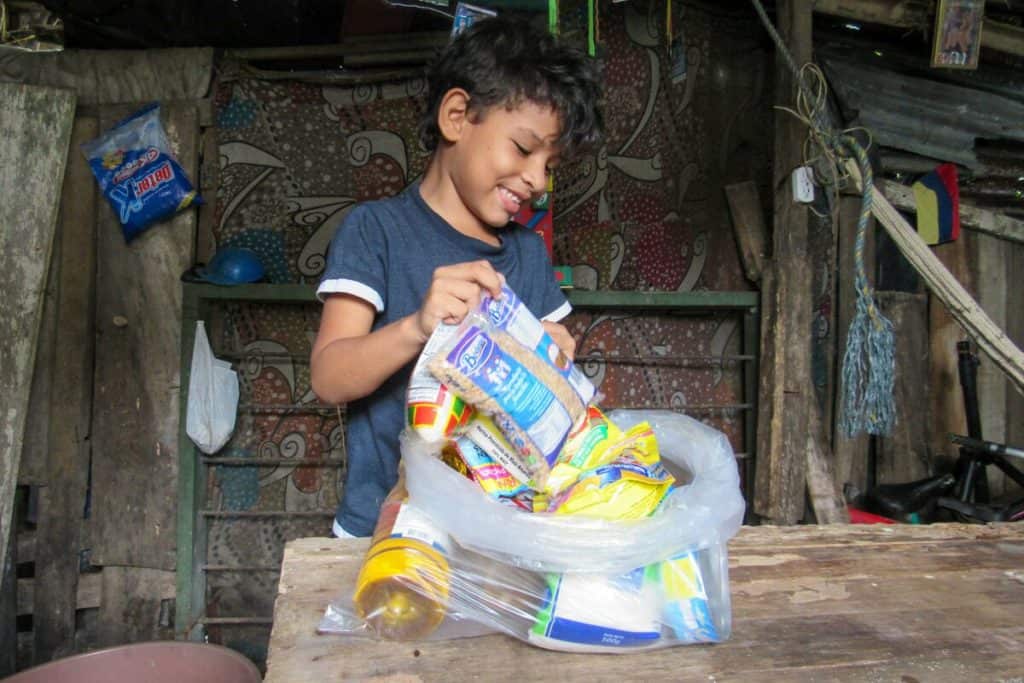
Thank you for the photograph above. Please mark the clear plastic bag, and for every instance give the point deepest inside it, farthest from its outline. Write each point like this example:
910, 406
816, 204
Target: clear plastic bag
212, 396
571, 583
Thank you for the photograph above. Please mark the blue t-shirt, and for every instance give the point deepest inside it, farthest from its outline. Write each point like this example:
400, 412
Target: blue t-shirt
385, 252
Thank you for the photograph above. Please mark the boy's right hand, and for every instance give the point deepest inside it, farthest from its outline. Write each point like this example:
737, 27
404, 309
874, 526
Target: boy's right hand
454, 291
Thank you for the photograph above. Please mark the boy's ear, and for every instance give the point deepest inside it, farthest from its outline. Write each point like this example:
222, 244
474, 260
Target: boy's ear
453, 114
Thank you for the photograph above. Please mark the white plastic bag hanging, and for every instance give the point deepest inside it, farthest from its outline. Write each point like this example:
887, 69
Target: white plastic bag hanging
212, 397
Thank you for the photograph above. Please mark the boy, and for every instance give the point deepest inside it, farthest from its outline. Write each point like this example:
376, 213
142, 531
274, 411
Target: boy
505, 104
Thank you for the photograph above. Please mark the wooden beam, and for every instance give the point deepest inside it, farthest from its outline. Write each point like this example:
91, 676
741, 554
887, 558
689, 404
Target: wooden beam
902, 13
996, 35
826, 495
35, 128
904, 455
62, 500
912, 14
993, 282
971, 217
786, 388
748, 226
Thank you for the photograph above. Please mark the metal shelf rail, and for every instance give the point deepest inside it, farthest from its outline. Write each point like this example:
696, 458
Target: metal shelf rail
197, 300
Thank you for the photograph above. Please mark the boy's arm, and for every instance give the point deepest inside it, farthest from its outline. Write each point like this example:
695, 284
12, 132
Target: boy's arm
348, 361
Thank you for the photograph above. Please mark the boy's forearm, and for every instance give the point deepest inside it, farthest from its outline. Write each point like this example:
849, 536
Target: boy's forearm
351, 368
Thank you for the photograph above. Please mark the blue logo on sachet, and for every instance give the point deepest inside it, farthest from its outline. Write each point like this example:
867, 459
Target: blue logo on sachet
475, 351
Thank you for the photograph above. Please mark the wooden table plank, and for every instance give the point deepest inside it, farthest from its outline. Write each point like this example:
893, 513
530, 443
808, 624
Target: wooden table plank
939, 602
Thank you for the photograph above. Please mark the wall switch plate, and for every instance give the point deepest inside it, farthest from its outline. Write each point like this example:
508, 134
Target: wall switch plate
803, 185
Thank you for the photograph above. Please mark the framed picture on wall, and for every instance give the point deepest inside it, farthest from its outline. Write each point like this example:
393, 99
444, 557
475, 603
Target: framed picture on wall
957, 40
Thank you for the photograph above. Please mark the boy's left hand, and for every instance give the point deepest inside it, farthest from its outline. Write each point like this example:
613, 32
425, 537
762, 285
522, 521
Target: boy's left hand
560, 335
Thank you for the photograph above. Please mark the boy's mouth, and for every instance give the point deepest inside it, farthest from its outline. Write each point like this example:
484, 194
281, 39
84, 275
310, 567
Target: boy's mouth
510, 200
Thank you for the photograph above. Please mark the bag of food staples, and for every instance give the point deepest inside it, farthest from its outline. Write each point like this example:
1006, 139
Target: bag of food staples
579, 582
138, 173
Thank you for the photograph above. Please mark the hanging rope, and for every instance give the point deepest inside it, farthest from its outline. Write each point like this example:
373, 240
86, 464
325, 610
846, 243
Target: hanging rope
868, 371
869, 364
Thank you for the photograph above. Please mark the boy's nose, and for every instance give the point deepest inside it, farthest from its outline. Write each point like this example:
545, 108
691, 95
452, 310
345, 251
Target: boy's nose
535, 175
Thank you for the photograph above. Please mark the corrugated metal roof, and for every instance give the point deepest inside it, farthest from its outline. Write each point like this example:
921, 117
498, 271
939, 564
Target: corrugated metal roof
926, 117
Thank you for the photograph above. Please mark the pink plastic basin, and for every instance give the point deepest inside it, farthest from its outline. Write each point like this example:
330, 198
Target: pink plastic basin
156, 662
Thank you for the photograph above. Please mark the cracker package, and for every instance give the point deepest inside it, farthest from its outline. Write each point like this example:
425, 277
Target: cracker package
503, 363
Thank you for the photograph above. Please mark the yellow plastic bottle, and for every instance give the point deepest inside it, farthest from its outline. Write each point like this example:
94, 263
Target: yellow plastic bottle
402, 589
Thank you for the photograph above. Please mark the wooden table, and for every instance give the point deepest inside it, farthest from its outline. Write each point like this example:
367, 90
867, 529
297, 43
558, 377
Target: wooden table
837, 603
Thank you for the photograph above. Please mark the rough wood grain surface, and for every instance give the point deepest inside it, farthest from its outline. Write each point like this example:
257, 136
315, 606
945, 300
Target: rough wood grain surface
135, 421
995, 285
835, 603
8, 609
748, 226
904, 455
1015, 330
62, 500
946, 401
135, 606
32, 471
780, 484
35, 126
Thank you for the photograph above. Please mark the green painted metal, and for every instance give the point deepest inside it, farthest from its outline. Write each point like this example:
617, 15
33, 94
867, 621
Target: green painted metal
689, 301
680, 301
184, 615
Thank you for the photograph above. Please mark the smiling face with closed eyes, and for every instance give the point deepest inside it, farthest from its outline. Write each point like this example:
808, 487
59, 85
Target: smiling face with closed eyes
489, 163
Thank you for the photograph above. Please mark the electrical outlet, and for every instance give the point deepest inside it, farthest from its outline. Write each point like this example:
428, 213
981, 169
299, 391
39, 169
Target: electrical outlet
803, 185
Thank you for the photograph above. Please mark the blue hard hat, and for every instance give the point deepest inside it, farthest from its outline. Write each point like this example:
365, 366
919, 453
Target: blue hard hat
232, 266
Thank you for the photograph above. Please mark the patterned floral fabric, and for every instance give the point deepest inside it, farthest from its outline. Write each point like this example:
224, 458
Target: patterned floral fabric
647, 212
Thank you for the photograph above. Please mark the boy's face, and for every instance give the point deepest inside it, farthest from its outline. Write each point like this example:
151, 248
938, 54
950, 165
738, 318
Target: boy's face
503, 158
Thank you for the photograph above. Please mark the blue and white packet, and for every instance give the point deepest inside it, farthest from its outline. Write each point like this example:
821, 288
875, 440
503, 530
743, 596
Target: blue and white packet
591, 613
138, 173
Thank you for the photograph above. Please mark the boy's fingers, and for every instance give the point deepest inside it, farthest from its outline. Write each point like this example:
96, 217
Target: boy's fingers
463, 290
562, 337
444, 307
481, 272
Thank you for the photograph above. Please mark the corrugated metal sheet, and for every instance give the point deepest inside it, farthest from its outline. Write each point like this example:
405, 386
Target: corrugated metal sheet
926, 117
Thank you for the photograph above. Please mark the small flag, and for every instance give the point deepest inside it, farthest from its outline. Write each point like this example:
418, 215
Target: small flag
938, 205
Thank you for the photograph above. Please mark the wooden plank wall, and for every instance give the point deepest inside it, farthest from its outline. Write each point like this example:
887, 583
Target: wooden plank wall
59, 532
117, 309
136, 393
903, 455
993, 284
35, 127
1015, 330
947, 403
786, 394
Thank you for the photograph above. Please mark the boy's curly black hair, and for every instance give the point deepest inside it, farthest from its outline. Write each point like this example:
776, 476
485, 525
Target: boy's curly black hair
507, 61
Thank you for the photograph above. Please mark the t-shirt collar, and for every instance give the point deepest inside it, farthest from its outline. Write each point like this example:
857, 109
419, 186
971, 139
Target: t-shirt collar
444, 229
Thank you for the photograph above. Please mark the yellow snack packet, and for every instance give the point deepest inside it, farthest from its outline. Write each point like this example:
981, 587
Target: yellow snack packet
623, 489
599, 444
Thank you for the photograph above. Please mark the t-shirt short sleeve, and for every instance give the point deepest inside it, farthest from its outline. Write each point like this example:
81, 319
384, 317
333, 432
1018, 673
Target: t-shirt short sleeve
553, 304
356, 259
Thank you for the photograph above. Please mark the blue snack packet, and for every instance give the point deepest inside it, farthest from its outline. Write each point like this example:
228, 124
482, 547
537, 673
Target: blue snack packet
137, 172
